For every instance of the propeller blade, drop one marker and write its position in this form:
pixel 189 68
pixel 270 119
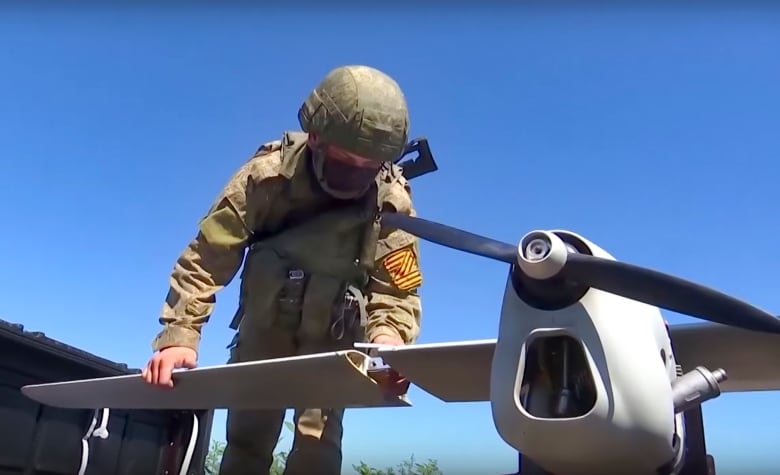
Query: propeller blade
pixel 452 237
pixel 619 278
pixel 667 291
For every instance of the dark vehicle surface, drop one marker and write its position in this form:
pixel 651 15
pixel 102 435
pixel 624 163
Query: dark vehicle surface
pixel 37 439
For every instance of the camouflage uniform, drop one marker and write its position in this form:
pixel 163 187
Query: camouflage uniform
pixel 320 272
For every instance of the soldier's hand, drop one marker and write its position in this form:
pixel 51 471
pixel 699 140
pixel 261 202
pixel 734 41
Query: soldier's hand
pixel 159 368
pixel 385 339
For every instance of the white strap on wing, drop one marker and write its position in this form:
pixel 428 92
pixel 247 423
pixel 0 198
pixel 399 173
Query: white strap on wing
pixel 185 463
pixel 101 432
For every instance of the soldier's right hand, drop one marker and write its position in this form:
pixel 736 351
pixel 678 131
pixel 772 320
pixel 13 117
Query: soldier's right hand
pixel 159 368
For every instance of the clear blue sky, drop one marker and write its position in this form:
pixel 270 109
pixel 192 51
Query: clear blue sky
pixel 653 132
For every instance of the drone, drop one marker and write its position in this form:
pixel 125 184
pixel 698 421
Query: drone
pixel 585 375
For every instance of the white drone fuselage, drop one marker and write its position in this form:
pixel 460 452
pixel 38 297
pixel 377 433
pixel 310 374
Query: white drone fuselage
pixel 619 370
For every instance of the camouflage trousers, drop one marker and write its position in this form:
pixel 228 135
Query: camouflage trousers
pixel 252 435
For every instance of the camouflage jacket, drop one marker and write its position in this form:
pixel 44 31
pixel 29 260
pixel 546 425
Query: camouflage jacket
pixel 252 204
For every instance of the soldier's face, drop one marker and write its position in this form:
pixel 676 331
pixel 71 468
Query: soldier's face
pixel 344 171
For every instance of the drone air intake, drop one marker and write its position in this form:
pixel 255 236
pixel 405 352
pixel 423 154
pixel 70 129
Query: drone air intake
pixel 627 280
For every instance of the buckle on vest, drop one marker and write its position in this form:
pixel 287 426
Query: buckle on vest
pixel 290 300
pixel 349 314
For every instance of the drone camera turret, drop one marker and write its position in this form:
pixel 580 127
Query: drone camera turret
pixel 557 382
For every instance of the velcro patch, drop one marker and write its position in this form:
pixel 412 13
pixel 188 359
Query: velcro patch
pixel 403 268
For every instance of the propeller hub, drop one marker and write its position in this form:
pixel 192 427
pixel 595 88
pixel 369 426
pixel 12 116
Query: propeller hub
pixel 537 249
pixel 541 254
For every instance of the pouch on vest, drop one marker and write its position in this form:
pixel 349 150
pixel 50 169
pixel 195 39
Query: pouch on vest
pixel 322 294
pixel 260 294
pixel 326 250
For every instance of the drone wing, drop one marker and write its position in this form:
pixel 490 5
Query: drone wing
pixel 751 359
pixel 453 371
pixel 335 379
pixel 460 371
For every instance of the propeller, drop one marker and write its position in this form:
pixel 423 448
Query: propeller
pixel 545 256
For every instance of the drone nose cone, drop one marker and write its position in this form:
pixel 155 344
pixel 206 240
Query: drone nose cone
pixel 541 254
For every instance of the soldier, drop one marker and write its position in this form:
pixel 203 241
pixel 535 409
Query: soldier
pixel 320 270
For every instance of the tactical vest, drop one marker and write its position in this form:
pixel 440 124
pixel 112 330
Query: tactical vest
pixel 307 267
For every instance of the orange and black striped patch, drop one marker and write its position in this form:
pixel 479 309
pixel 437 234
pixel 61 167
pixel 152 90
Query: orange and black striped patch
pixel 403 269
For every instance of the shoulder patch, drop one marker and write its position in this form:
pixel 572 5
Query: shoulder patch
pixel 403 268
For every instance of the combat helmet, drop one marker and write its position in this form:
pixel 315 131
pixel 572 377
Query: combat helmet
pixel 360 109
